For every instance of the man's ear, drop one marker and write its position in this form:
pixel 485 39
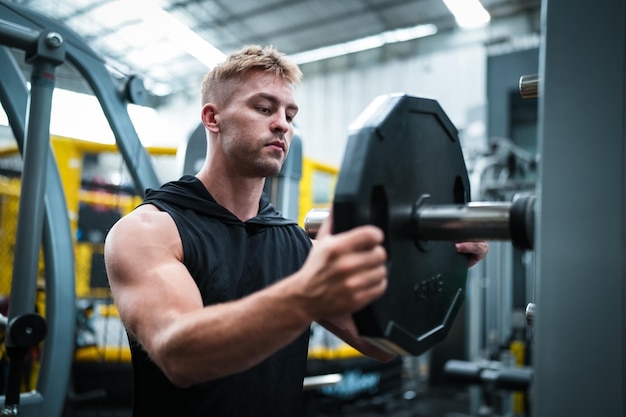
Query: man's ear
pixel 210 118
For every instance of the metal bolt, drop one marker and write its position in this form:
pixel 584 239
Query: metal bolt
pixel 54 39
pixel 530 313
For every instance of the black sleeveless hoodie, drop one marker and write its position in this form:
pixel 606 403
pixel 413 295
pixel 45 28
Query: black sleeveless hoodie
pixel 228 259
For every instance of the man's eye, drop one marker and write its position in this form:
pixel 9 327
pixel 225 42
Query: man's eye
pixel 264 110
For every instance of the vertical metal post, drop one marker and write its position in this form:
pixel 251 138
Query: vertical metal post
pixel 580 333
pixel 31 209
pixel 26 329
pixel 58 346
pixel 31 206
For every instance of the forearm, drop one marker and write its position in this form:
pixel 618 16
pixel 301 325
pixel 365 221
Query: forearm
pixel 228 338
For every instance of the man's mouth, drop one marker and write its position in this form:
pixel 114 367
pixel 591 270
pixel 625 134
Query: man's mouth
pixel 277 144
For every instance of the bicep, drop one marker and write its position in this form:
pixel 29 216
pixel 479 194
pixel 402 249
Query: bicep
pixel 149 282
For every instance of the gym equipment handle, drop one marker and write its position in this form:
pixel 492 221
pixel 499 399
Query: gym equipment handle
pixel 492 373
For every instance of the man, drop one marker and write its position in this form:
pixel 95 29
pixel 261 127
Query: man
pixel 216 290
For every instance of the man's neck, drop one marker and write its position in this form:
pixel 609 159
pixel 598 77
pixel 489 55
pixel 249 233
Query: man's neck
pixel 240 196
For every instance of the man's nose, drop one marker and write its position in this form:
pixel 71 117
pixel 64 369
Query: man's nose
pixel 280 123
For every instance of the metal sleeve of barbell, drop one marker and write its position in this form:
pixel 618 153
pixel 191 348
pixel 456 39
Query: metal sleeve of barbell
pixel 473 221
pixel 313 221
pixel 529 86
pixel 456 222
pixel 469 222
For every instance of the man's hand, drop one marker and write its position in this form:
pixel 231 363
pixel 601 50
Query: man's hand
pixel 343 272
pixel 475 251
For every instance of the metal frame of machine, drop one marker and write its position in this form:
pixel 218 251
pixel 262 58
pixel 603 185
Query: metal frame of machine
pixel 43 209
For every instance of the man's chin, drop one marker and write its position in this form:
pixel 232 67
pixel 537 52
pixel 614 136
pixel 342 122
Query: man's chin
pixel 269 171
pixel 272 168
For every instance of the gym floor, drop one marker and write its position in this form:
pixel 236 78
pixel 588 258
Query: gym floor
pixel 438 403
pixel 385 395
pixel 105 396
pixel 435 403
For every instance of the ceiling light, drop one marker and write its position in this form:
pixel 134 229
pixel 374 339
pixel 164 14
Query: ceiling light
pixel 170 27
pixel 363 44
pixel 469 14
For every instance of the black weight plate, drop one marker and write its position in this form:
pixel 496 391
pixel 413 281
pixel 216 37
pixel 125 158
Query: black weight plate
pixel 400 151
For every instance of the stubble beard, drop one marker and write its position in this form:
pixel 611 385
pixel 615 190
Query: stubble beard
pixel 255 162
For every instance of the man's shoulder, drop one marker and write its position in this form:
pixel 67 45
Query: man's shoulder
pixel 144 217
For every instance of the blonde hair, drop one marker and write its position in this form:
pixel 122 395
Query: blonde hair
pixel 217 85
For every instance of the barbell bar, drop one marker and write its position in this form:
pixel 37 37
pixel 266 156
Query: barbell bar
pixel 475 221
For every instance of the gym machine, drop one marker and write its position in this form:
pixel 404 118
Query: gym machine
pixel 579 360
pixel 579 365
pixel 24 328
pixel 43 219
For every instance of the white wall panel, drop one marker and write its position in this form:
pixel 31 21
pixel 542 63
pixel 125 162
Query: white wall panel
pixel 329 102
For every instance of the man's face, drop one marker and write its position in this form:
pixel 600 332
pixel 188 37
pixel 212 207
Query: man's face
pixel 256 126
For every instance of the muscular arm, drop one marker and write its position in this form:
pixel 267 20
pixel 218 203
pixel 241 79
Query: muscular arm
pixel 160 305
